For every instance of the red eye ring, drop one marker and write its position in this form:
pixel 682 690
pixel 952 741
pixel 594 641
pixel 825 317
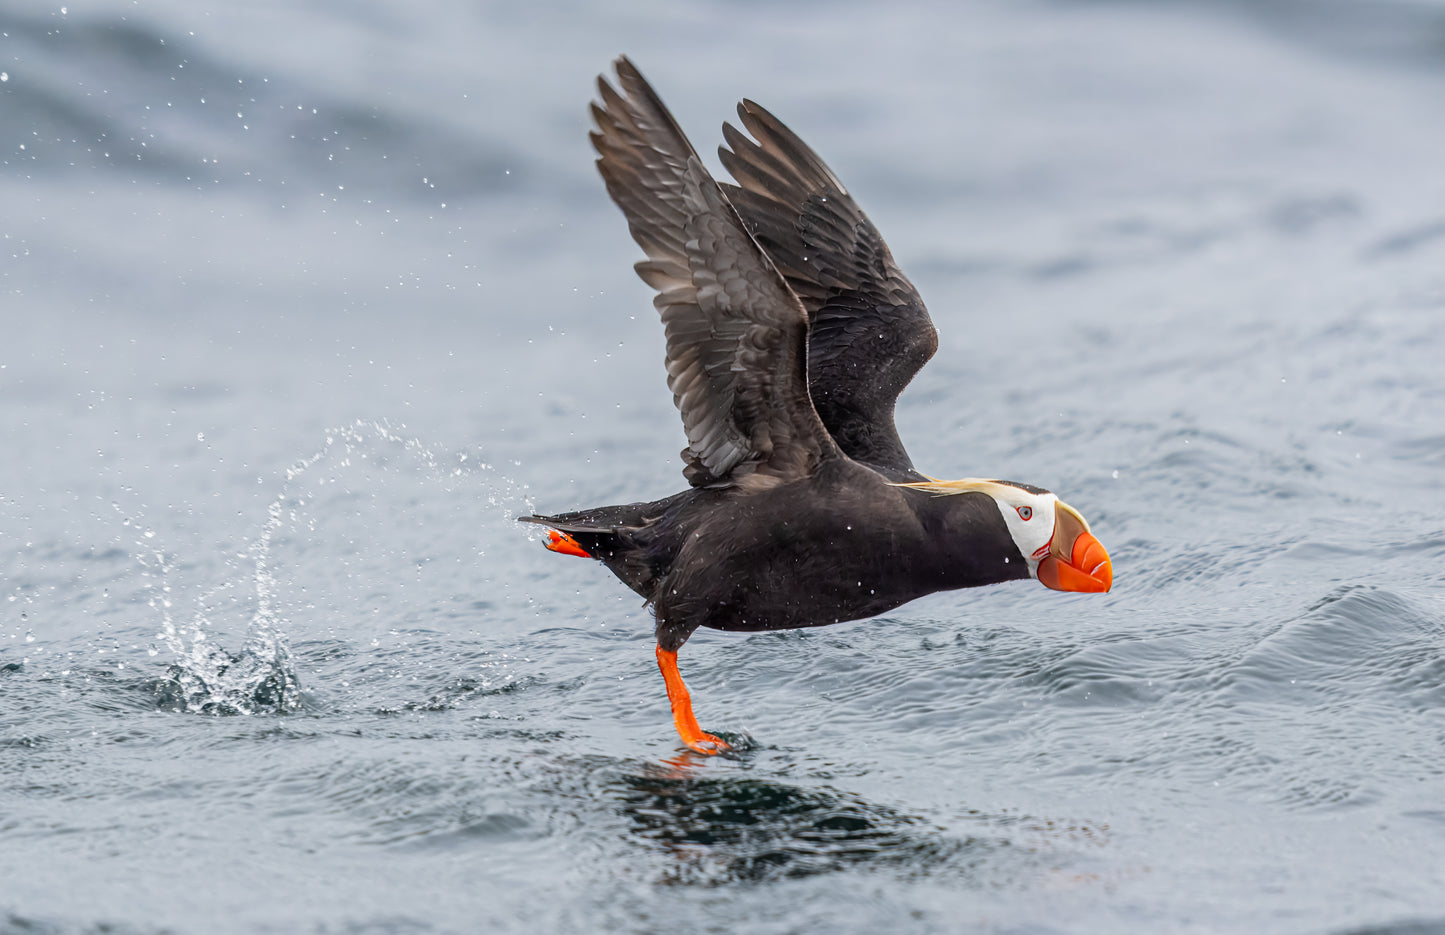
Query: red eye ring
pixel 1026 513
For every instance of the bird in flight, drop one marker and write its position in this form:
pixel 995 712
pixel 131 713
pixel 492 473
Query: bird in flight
pixel 790 333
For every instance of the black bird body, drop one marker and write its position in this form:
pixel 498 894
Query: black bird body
pixel 790 333
pixel 841 544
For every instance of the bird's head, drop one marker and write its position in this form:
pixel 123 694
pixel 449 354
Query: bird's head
pixel 1051 535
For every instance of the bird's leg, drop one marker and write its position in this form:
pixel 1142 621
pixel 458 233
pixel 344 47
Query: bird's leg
pixel 682 716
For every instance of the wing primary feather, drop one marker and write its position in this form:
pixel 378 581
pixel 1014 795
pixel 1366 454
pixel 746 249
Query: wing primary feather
pixel 870 331
pixel 736 333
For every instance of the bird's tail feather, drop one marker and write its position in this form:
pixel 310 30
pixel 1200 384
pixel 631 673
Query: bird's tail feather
pixel 612 535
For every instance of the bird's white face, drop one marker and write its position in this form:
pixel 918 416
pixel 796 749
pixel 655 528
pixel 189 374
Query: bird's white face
pixel 1051 535
pixel 1030 519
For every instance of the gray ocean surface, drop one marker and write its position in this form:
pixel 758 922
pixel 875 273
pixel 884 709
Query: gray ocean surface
pixel 302 302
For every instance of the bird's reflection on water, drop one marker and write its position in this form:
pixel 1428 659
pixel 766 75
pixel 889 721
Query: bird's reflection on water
pixel 750 829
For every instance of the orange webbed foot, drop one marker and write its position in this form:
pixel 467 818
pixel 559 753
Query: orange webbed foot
pixel 565 544
pixel 682 717
pixel 706 743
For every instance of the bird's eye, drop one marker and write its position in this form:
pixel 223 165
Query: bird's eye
pixel 1026 513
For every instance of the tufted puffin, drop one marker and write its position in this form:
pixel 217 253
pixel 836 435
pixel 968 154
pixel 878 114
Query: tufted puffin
pixel 790 334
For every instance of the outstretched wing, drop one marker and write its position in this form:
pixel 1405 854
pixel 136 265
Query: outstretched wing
pixel 736 334
pixel 870 330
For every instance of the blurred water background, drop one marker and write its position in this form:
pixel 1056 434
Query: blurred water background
pixel 301 302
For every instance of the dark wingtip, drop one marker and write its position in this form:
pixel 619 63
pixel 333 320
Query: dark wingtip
pixel 628 75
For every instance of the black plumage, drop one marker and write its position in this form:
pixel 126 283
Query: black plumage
pixel 790 333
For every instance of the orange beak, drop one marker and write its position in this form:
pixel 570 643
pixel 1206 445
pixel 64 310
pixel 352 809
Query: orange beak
pixel 1076 560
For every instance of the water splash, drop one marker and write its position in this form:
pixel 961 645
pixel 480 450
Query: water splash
pixel 263 676
pixel 205 678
